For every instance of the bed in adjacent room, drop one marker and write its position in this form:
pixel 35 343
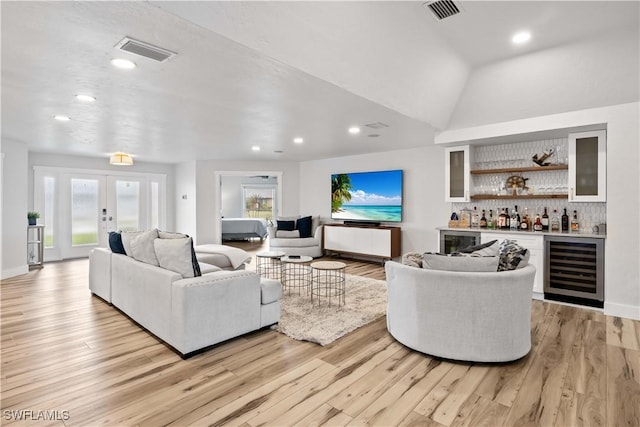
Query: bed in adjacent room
pixel 243 228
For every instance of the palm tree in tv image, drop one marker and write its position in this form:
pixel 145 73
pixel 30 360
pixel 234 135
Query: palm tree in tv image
pixel 340 191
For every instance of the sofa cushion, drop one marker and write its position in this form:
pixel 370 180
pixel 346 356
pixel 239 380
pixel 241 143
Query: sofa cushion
pixel 194 260
pixel 512 256
pixel 294 243
pixel 491 248
pixel 288 234
pixel 460 263
pixel 304 226
pixel 270 290
pixel 286 225
pixel 141 244
pixel 208 268
pixel 115 243
pixel 175 255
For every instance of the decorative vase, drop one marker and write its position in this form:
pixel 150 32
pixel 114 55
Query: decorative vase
pixel 32 221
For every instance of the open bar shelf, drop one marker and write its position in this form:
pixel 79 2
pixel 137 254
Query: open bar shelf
pixel 517 170
pixel 528 196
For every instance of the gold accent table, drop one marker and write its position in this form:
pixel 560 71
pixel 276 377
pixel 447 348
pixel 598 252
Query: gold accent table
pixel 296 273
pixel 268 264
pixel 328 282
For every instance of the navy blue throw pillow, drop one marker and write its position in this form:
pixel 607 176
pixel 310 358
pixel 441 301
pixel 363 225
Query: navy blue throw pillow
pixel 286 225
pixel 303 225
pixel 115 243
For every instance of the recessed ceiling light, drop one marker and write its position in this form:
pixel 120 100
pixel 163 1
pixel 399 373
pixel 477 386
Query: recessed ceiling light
pixel 85 98
pixel 62 118
pixel 521 37
pixel 298 140
pixel 123 63
pixel 255 148
pixel 354 130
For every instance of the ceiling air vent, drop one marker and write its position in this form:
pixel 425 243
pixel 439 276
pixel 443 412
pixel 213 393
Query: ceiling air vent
pixel 377 125
pixel 442 8
pixel 145 49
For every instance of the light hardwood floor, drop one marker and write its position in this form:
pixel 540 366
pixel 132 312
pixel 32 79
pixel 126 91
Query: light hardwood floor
pixel 64 350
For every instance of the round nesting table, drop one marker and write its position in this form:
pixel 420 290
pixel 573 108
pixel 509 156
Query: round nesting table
pixel 328 282
pixel 268 264
pixel 296 273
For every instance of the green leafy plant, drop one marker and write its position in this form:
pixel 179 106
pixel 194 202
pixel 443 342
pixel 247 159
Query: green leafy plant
pixel 33 215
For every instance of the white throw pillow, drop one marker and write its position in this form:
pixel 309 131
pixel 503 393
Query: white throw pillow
pixel 175 255
pixel 460 263
pixel 285 234
pixel 141 245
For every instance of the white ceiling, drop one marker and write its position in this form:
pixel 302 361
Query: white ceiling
pixel 260 73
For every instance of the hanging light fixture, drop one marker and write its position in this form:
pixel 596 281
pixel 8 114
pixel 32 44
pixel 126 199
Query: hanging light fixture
pixel 121 159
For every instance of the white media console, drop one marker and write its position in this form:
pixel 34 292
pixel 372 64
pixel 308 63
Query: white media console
pixel 373 241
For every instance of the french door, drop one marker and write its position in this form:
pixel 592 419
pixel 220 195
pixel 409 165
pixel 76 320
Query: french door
pixel 79 209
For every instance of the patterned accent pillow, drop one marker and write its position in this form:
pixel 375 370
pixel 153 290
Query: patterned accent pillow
pixel 512 256
pixel 413 259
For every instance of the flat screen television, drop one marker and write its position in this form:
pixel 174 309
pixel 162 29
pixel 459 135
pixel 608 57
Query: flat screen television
pixel 367 196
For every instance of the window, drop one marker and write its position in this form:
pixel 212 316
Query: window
pixel 258 202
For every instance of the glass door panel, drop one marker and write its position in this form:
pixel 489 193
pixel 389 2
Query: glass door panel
pixel 587 166
pixel 85 204
pixel 127 205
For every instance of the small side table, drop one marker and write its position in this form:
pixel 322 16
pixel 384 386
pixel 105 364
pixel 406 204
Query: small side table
pixel 35 246
pixel 296 273
pixel 328 281
pixel 268 264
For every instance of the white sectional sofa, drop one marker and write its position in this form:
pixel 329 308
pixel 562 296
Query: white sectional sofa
pixel 188 314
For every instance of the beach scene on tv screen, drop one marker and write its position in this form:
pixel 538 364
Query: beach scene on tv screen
pixel 367 196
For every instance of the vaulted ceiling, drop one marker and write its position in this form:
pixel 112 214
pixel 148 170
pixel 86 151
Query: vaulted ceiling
pixel 262 73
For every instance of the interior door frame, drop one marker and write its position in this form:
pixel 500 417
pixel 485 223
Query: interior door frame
pixel 217 215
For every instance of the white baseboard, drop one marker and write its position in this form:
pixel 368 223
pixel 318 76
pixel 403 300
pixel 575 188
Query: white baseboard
pixel 11 272
pixel 622 310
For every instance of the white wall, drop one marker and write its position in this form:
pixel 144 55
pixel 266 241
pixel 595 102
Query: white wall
pixel 185 199
pixel 594 73
pixel 14 209
pixel 424 208
pixel 208 200
pixel 102 164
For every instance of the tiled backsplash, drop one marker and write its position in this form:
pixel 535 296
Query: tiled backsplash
pixel 543 182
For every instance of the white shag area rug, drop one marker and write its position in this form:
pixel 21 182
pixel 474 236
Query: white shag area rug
pixel 366 301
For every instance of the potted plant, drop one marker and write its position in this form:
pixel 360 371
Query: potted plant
pixel 32 217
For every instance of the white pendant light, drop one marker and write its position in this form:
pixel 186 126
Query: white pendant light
pixel 121 159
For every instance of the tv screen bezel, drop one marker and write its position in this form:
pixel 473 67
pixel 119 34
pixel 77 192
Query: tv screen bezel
pixel 373 221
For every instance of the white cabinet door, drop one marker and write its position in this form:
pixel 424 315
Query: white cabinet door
pixel 457 173
pixel 535 244
pixel 588 166
pixel 366 241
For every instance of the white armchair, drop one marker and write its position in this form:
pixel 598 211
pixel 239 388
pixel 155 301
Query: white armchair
pixel 290 244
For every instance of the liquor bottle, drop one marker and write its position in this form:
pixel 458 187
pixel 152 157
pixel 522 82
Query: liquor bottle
pixel 565 221
pixel 507 218
pixel 502 219
pixel 537 226
pixel 524 224
pixel 483 220
pixel 555 222
pixel 475 220
pixel 514 224
pixel 575 225
pixel 491 222
pixel 545 220
pixel 518 216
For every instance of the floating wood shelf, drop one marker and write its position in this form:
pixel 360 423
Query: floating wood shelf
pixel 528 196
pixel 517 170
